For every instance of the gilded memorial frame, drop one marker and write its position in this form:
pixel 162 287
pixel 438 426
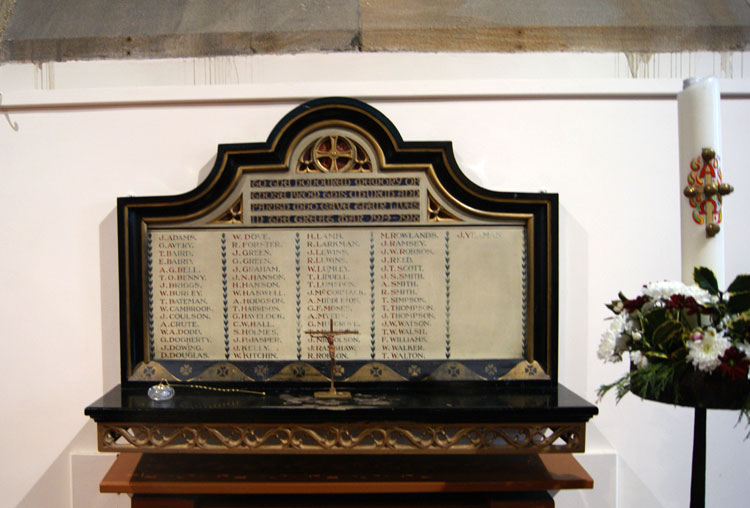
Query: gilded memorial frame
pixel 339 148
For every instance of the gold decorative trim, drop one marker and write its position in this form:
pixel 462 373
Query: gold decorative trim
pixel 526 370
pixel 334 153
pixel 224 371
pixel 151 371
pixel 394 437
pixel 233 215
pixel 437 213
pixel 304 372
pixel 309 135
pixel 454 371
pixel 376 371
pixel 299 371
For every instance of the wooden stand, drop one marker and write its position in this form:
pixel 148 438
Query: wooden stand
pixel 211 481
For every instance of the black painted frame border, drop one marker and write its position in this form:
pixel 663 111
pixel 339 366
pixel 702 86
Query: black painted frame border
pixel 134 213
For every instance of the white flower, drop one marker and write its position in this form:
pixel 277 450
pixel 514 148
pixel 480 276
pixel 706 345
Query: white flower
pixel 637 336
pixel 638 359
pixel 653 304
pixel 701 296
pixel 704 353
pixel 629 325
pixel 621 343
pixel 607 348
pixel 618 324
pixel 663 290
pixel 614 340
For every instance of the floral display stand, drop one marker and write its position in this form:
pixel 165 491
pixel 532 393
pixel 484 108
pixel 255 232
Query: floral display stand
pixel 688 346
pixel 702 392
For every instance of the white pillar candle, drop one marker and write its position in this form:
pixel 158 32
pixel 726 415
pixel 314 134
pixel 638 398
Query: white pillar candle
pixel 699 121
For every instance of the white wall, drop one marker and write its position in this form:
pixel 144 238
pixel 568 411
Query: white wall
pixel 80 134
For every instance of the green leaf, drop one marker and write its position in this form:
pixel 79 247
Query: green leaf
pixel 740 284
pixel 739 303
pixel 652 320
pixel 667 335
pixel 652 380
pixel 740 328
pixel 621 386
pixel 679 354
pixel 706 279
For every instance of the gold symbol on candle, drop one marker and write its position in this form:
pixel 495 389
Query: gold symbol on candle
pixel 329 336
pixel 705 190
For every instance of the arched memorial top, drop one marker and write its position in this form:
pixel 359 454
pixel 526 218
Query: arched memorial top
pixel 335 216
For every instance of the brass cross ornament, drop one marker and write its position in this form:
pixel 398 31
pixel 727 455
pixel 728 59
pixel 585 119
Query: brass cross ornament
pixel 329 336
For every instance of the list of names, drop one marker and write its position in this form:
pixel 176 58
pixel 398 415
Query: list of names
pixel 406 293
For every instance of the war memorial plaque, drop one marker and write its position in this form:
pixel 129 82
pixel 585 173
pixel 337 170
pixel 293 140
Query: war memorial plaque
pixel 230 295
pixel 433 292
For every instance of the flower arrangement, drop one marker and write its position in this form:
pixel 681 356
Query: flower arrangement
pixel 675 332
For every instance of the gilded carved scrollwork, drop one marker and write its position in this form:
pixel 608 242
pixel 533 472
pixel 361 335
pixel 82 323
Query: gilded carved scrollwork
pixel 233 215
pixel 334 154
pixel 348 438
pixel 438 213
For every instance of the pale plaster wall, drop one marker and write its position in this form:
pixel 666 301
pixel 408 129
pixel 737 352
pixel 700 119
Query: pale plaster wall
pixel 76 135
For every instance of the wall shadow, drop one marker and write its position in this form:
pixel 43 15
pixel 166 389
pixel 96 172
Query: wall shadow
pixel 55 482
pixel 574 290
pixel 110 301
pixel 205 170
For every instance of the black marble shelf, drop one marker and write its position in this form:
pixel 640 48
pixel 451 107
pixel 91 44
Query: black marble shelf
pixel 449 404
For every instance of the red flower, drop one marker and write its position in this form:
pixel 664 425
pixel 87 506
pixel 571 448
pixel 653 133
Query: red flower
pixel 682 302
pixel 734 364
pixel 636 304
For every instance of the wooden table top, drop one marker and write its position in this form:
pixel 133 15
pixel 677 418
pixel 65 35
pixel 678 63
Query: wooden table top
pixel 136 473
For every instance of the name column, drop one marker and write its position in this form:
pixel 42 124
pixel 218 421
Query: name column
pixel 410 295
pixel 258 295
pixel 182 298
pixel 333 282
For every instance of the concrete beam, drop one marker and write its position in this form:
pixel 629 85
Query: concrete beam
pixel 570 25
pixel 40 30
